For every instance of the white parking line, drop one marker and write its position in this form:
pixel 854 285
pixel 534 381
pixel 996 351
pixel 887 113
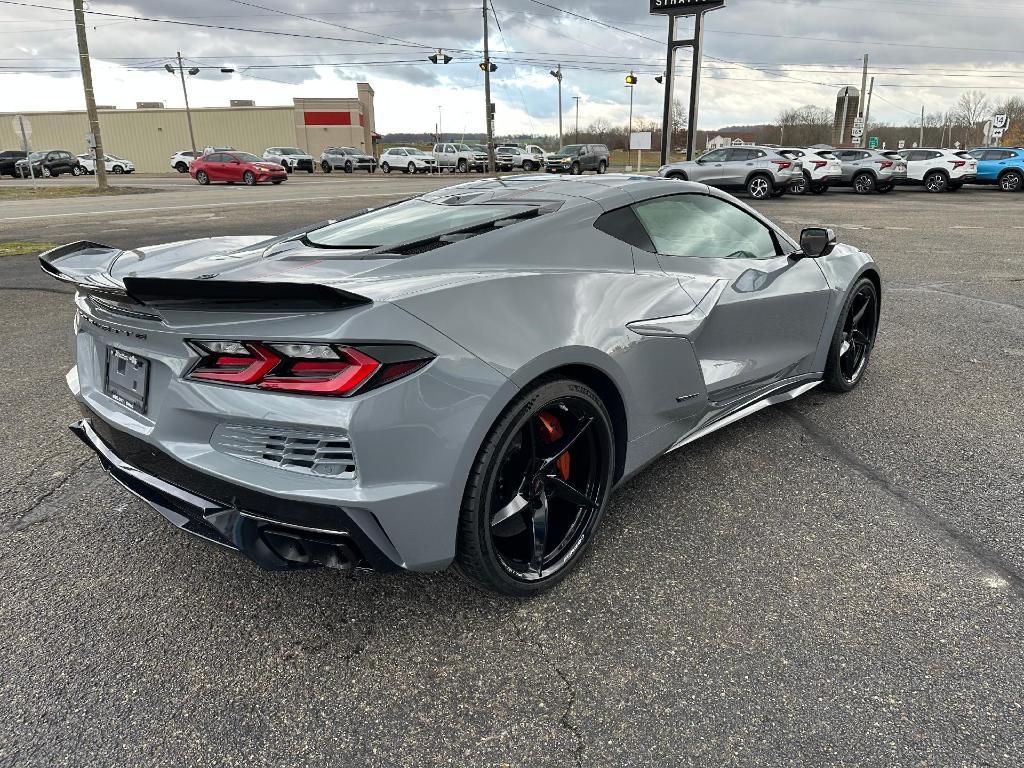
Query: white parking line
pixel 204 206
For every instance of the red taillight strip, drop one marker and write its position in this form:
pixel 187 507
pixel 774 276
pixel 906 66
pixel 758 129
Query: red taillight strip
pixel 957 163
pixel 819 164
pixel 345 380
pixel 262 362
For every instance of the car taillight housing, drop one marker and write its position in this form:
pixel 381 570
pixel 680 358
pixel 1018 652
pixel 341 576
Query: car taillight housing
pixel 783 164
pixel 957 163
pixel 884 163
pixel 819 164
pixel 337 370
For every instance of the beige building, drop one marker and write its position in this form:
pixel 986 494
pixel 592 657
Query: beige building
pixel 148 137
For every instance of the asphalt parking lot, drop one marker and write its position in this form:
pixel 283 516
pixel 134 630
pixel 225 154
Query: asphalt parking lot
pixel 835 581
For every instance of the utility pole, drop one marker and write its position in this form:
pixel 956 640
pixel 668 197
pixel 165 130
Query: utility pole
pixel 921 142
pixel 557 74
pixel 629 133
pixel 862 111
pixel 491 160
pixel 188 109
pixel 867 109
pixel 577 139
pixel 90 97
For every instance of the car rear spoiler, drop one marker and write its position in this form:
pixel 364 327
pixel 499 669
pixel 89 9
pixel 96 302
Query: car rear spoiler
pixel 86 265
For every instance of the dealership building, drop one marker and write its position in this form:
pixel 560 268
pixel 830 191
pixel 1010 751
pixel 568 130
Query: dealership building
pixel 150 134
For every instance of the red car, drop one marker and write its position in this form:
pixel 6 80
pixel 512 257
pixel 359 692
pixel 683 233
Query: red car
pixel 235 166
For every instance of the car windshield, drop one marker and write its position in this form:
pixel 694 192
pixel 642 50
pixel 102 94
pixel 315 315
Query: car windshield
pixel 572 149
pixel 245 157
pixel 290 151
pixel 407 221
pixel 36 155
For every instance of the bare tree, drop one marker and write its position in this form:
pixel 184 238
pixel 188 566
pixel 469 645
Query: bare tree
pixel 970 110
pixel 805 125
pixel 1013 108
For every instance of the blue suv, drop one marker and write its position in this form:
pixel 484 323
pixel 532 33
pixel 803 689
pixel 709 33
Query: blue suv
pixel 1000 165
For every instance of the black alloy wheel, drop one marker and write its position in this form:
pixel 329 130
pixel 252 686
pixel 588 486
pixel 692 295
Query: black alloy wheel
pixel 854 338
pixel 574 169
pixel 602 167
pixel 1011 181
pixel 348 167
pixel 326 167
pixel 182 167
pixel 864 183
pixel 538 489
pixel 936 181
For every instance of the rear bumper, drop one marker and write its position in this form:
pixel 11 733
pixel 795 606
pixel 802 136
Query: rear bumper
pixel 275 533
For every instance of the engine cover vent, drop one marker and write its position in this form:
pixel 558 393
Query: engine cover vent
pixel 329 455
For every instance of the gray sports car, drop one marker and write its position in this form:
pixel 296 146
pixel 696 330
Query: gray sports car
pixel 460 377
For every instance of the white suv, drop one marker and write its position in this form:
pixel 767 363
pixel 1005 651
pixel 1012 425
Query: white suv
pixel 940 170
pixel 821 169
pixel 180 160
pixel 407 160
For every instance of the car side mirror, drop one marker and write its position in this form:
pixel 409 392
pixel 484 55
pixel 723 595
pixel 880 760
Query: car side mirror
pixel 816 242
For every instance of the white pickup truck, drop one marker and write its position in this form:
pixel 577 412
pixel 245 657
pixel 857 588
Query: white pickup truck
pixel 461 158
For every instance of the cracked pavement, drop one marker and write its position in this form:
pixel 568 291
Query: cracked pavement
pixel 835 581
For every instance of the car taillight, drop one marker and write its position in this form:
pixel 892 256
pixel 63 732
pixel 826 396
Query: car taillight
pixel 819 164
pixel 884 163
pixel 314 369
pixel 783 164
pixel 957 163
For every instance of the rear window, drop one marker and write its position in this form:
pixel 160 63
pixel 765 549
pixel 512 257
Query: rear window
pixel 408 221
pixel 827 156
pixel 892 155
pixel 965 155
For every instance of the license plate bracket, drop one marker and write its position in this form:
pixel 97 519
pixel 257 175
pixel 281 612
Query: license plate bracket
pixel 127 379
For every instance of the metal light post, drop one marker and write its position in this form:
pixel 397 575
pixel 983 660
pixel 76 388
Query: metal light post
pixel 577 99
pixel 180 69
pixel 631 81
pixel 557 74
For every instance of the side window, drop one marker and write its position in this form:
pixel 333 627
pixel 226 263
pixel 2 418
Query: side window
pixel 698 226
pixel 717 156
pixel 1005 155
pixel 439 148
pixel 912 156
pixel 401 152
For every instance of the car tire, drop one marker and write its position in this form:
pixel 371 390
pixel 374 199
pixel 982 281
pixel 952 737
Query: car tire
pixel 801 187
pixel 853 339
pixel 760 187
pixel 249 178
pixel 864 184
pixel 385 167
pixel 181 167
pixel 77 170
pixel 203 178
pixel 326 167
pixel 117 169
pixel 47 173
pixel 463 165
pixel 936 182
pixel 410 168
pixel 552 537
pixel 1011 181
pixel 348 167
pixel 602 167
pixel 574 169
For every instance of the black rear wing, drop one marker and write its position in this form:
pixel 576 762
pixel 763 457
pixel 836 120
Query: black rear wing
pixel 86 265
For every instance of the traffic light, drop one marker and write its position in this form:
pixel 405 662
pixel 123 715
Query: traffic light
pixel 659 79
pixel 630 79
pixel 439 57
pixel 483 67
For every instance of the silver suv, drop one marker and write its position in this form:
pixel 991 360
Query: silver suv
pixel 762 171
pixel 871 170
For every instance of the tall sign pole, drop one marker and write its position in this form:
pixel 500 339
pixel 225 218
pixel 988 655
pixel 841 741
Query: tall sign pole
pixel 491 160
pixel 96 140
pixel 676 9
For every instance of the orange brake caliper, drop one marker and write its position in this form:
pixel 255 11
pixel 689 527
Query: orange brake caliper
pixel 552 431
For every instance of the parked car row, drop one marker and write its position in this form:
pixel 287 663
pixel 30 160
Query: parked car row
pixel 775 171
pixel 48 163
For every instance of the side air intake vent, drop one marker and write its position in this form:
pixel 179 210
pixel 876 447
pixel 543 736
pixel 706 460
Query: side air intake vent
pixel 329 455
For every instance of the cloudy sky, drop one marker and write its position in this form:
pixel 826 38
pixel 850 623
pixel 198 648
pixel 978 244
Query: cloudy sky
pixel 762 56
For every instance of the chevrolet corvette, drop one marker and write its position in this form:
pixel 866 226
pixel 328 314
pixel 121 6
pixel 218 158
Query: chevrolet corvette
pixel 462 377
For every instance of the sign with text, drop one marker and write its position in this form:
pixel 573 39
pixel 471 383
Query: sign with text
pixel 683 7
pixel 640 140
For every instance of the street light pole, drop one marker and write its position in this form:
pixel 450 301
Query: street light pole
pixel 557 74
pixel 630 131
pixel 491 160
pixel 188 109
pixel 90 97
pixel 577 99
